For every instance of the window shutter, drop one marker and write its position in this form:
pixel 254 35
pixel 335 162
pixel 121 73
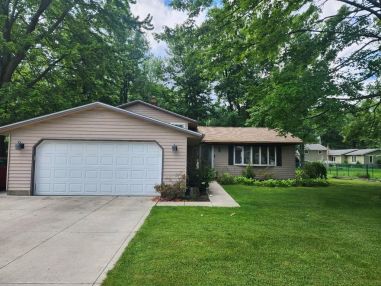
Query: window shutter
pixel 279 155
pixel 231 152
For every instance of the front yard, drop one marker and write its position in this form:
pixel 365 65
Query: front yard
pixel 279 236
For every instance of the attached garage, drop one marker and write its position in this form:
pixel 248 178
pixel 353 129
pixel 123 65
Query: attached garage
pixel 95 149
pixel 77 167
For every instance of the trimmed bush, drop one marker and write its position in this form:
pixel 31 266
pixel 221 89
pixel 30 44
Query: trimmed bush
pixel 314 170
pixel 226 179
pixel 172 191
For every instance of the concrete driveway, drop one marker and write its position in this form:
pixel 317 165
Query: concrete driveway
pixel 65 240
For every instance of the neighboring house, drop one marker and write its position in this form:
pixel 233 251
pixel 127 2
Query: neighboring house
pixel 315 153
pixel 364 156
pixel 98 149
pixel 338 156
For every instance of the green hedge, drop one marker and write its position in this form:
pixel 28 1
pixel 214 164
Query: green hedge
pixel 227 179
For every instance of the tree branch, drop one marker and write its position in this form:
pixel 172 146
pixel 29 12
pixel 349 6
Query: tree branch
pixel 45 72
pixel 363 7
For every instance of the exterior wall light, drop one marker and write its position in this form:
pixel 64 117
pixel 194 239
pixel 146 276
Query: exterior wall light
pixel 19 145
pixel 174 148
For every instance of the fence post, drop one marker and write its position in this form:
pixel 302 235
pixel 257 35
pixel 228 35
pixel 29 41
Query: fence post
pixel 367 171
pixel 348 170
pixel 337 171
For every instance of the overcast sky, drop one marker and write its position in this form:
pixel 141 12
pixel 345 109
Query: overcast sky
pixel 164 15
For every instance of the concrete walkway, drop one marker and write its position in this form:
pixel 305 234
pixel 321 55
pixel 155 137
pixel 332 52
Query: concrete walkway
pixel 65 240
pixel 217 195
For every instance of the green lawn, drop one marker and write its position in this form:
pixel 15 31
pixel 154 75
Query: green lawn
pixel 279 236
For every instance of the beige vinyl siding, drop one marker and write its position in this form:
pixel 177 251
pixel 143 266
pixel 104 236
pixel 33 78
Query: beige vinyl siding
pixel 339 159
pixel 157 114
pixel 359 159
pixel 376 156
pixel 286 171
pixel 97 124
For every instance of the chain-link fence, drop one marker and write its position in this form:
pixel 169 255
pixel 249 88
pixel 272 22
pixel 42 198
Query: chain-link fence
pixel 355 171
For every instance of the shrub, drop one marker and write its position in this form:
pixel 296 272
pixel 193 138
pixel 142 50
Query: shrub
pixel 299 174
pixel 226 179
pixel 273 183
pixel 248 172
pixel 172 191
pixel 314 170
pixel 243 180
pixel 266 175
pixel 207 175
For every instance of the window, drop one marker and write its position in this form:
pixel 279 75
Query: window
pixel 320 151
pixel 371 159
pixel 238 155
pixel 255 155
pixel 182 125
pixel 272 156
pixel 333 158
pixel 353 159
pixel 247 155
pixel 242 155
pixel 264 157
pixel 305 151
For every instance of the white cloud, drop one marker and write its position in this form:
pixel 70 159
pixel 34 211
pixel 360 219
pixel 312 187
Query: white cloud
pixel 163 15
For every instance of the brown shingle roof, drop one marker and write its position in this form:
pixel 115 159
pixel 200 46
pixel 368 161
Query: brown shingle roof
pixel 245 135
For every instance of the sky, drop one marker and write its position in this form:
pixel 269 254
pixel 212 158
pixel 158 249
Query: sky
pixel 164 15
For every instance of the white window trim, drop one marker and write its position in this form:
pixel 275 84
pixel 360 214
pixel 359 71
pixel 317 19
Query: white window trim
pixel 353 157
pixel 251 157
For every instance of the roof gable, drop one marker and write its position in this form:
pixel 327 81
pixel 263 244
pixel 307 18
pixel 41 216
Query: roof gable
pixel 315 147
pixel 6 128
pixel 135 102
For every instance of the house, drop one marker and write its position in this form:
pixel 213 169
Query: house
pixel 98 149
pixel 338 156
pixel 315 153
pixel 364 156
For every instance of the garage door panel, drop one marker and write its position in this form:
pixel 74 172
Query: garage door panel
pixel 97 168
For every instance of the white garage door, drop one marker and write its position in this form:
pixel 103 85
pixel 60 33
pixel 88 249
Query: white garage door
pixel 97 168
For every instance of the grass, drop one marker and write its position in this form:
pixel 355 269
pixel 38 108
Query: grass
pixel 279 236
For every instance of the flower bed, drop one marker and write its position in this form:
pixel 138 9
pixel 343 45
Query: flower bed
pixel 227 179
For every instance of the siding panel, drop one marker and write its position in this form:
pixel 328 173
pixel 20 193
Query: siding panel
pixel 154 113
pixel 97 124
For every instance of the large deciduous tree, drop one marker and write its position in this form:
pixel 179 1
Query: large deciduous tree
pixel 190 88
pixel 56 54
pixel 288 66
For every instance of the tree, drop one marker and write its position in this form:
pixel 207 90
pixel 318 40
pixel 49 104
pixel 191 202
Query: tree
pixel 57 54
pixel 190 89
pixel 292 72
pixel 363 130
